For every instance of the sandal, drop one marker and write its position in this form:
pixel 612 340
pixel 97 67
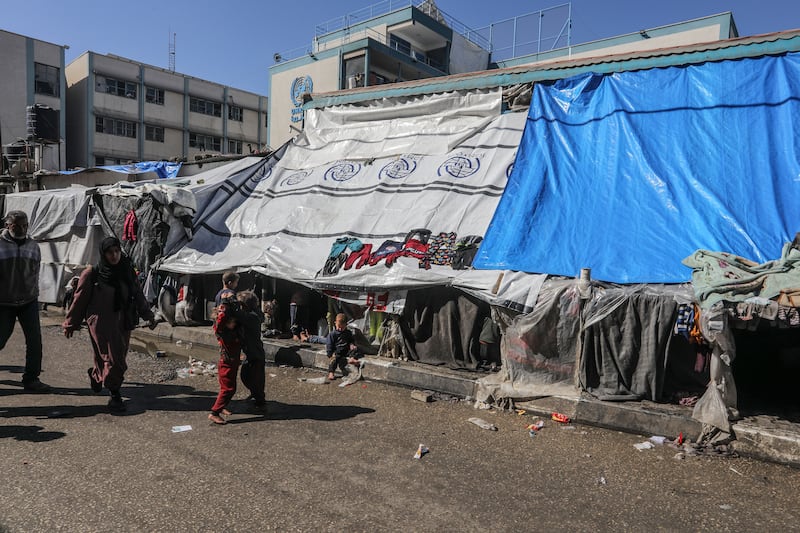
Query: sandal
pixel 214 417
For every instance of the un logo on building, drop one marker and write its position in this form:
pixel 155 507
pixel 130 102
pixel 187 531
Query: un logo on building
pixel 460 166
pixel 294 179
pixel 301 85
pixel 342 171
pixel 400 168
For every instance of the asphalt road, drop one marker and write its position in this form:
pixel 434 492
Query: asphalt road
pixel 331 459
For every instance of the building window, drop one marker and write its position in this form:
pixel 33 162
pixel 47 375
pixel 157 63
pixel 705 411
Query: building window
pixel 206 107
pixel 47 79
pixel 154 133
pixel 117 87
pixel 401 45
pixel 112 126
pixel 235 113
pixel 101 161
pixel 205 142
pixel 153 95
pixel 234 146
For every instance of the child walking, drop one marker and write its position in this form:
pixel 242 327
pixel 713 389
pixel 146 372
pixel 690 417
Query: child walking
pixel 229 336
pixel 253 377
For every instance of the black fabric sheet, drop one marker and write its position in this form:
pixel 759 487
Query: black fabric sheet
pixel 441 326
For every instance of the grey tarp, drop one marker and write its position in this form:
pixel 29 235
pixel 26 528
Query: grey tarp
pixel 441 326
pixel 626 341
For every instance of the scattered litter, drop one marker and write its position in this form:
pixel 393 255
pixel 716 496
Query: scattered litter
pixel 602 481
pixel 567 427
pixel 483 424
pixel 273 375
pixel 657 439
pixel 679 440
pixel 322 380
pixel 726 507
pixel 196 368
pixel 160 353
pixel 422 450
pixel 531 433
pixel 679 456
pixel 536 426
pixel 184 344
pixel 646 445
pixel 587 455
pixel 482 405
pixel 180 429
pixel 521 412
pixel 353 374
pixel 559 417
pixel 736 471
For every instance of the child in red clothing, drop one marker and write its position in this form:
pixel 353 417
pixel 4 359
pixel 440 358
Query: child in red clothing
pixel 229 337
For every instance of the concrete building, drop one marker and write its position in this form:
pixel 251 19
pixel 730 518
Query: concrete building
pixel 32 100
pixel 373 46
pixel 119 110
pixel 374 52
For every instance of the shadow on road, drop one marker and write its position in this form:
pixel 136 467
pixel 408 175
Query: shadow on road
pixel 284 411
pixel 30 434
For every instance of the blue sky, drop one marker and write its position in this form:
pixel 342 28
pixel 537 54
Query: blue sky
pixel 233 41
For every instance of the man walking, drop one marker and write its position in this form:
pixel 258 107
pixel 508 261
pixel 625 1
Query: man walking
pixel 19 279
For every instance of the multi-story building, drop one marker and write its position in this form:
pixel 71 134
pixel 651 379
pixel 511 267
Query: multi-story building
pixel 119 110
pixel 412 41
pixel 386 43
pixel 32 97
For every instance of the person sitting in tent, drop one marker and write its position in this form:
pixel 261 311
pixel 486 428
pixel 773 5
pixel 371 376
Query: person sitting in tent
pixel 490 345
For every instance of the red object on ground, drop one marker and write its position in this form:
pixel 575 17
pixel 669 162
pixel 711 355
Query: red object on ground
pixel 558 417
pixel 680 437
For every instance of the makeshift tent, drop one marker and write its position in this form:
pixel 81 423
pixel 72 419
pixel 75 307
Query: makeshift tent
pixel 371 202
pixel 629 173
pixel 68 234
pixel 394 222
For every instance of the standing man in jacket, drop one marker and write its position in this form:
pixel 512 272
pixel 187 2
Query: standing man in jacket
pixel 19 299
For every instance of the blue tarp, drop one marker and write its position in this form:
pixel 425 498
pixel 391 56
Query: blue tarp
pixel 630 173
pixel 163 169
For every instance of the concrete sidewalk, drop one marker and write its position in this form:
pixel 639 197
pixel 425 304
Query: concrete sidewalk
pixel 764 437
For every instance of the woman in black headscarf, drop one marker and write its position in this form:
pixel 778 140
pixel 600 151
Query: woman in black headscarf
pixel 109 297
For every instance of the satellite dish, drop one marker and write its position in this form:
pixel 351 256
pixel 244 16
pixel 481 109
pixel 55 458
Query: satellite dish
pixel 277 57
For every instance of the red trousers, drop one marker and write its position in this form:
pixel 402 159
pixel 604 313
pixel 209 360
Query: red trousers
pixel 227 382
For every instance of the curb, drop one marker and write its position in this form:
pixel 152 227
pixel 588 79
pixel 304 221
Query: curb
pixel 756 438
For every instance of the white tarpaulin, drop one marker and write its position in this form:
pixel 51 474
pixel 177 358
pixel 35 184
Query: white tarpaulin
pixel 68 238
pixel 422 125
pixel 389 223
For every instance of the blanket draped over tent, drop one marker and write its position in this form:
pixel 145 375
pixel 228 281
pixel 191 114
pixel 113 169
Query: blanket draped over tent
pixel 631 172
